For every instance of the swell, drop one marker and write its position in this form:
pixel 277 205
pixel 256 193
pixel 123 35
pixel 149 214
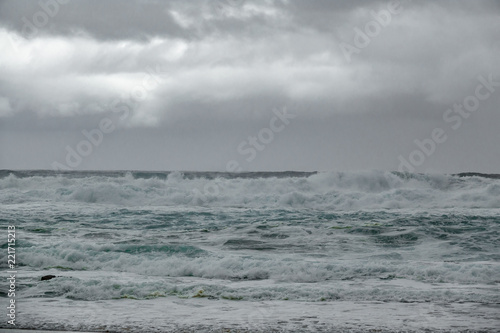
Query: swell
pixel 325 190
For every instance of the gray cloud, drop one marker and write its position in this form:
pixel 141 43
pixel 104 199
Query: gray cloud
pixel 104 20
pixel 220 68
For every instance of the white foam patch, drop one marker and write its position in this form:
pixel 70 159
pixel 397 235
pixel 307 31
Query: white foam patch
pixel 204 315
pixel 340 191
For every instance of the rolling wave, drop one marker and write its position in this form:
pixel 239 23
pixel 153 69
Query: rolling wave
pixel 323 190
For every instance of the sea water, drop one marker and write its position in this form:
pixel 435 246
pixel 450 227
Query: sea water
pixel 287 251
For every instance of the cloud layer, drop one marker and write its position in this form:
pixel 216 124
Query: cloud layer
pixel 218 68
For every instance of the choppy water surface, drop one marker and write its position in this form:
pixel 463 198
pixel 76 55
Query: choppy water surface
pixel 257 237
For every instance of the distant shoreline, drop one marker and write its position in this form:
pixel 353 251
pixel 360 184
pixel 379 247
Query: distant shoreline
pixel 204 174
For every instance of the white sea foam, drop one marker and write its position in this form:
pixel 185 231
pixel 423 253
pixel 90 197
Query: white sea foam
pixel 340 191
pixel 118 241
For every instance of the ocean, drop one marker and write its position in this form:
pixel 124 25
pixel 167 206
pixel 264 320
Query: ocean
pixel 364 251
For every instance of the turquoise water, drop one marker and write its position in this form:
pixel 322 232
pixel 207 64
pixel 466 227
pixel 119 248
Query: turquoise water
pixel 314 237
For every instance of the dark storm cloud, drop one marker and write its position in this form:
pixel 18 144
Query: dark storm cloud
pixel 112 19
pixel 218 68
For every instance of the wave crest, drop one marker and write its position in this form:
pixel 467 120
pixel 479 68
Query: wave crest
pixel 325 190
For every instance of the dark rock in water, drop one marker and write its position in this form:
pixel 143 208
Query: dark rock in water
pixel 47 277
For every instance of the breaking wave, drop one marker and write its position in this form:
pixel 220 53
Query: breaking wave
pixel 323 190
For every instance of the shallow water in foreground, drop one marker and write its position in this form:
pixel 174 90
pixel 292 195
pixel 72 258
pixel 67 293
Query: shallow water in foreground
pixel 287 251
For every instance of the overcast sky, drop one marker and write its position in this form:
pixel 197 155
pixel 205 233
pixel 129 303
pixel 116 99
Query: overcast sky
pixel 250 85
